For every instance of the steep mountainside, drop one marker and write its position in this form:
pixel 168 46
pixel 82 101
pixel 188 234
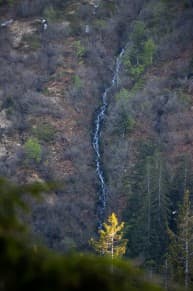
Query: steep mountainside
pixel 147 140
pixel 51 83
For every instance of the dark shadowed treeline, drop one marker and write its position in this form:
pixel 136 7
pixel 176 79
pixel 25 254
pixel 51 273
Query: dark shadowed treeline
pixel 25 265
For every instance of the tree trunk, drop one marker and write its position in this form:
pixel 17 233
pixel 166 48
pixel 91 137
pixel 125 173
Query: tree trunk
pixel 159 190
pixel 166 275
pixel 149 203
pixel 185 178
pixel 112 247
pixel 187 248
pixel 187 265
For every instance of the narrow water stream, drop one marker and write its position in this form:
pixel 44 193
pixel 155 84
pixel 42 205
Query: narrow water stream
pixel 102 203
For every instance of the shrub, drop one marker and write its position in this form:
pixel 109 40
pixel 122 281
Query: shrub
pixel 32 40
pixel 184 97
pixel 100 23
pixel 138 58
pixel 140 54
pixel 9 103
pixel 139 33
pixel 139 84
pixel 44 132
pixel 77 87
pixel 126 58
pixel 124 123
pixel 46 91
pixel 33 149
pixel 136 71
pixel 51 14
pixel 80 49
pixel 122 94
pixel 125 94
pixel 148 52
pixel 77 82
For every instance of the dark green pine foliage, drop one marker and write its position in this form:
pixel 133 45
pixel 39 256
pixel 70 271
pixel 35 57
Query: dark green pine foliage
pixel 181 246
pixel 140 54
pixel 9 2
pixel 148 206
pixel 181 179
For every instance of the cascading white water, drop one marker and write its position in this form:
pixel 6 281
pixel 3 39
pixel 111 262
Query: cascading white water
pixel 96 141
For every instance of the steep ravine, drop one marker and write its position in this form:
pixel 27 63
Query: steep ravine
pixel 102 204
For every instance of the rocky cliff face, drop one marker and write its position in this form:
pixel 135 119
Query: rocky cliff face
pixel 50 87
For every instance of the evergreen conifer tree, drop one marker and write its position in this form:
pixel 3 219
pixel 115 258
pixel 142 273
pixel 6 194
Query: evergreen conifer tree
pixel 148 208
pixel 181 246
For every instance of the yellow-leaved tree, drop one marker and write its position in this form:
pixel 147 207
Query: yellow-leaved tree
pixel 110 240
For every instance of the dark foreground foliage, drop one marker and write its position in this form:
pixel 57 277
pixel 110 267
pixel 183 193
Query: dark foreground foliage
pixel 22 269
pixel 26 266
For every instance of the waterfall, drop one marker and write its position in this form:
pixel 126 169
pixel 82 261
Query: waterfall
pixel 102 203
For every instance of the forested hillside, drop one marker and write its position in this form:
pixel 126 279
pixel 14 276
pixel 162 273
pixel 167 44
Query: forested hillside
pixel 116 76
